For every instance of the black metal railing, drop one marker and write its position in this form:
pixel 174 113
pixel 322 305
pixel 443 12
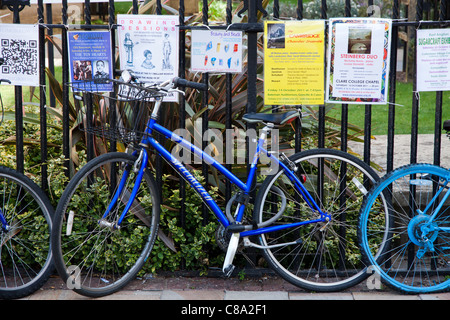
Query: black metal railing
pixel 252 27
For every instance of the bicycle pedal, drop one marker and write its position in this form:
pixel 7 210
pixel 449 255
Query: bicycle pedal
pixel 228 270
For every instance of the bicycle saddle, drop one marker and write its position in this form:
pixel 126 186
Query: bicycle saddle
pixel 275 118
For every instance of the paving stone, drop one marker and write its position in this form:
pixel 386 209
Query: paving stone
pixel 192 295
pixel 256 295
pixel 320 296
pixel 383 296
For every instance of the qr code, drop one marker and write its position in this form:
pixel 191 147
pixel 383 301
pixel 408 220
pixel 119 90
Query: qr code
pixel 21 56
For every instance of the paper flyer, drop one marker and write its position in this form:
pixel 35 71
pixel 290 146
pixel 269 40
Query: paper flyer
pixel 216 51
pixel 433 57
pixel 20 51
pixel 358 61
pixel 294 62
pixel 90 60
pixel 148 46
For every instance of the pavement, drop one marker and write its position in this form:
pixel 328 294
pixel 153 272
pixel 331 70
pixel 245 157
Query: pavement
pixel 402 150
pixel 260 288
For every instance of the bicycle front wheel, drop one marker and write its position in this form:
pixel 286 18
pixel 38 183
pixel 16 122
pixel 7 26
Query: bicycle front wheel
pixel 325 256
pixel 418 255
pixel 93 254
pixel 25 252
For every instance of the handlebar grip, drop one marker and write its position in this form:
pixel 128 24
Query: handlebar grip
pixel 185 83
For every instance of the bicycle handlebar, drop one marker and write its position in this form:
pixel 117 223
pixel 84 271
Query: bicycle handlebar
pixel 5 80
pixel 185 83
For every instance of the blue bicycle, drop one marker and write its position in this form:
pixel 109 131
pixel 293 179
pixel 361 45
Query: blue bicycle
pixel 304 216
pixel 414 229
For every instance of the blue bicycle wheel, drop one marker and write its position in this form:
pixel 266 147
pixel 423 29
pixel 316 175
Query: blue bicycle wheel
pixel 417 257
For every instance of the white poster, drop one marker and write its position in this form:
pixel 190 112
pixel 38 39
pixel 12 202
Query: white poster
pixel 216 51
pixel 433 59
pixel 359 54
pixel 20 50
pixel 148 46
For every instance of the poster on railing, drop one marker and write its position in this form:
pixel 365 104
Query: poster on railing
pixel 358 60
pixel 20 52
pixel 216 51
pixel 294 62
pixel 90 61
pixel 148 46
pixel 433 57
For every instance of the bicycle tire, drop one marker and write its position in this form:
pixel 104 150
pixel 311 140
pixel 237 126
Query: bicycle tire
pixel 26 260
pixel 92 255
pixel 411 264
pixel 326 257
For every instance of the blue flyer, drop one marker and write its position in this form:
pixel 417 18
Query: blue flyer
pixel 90 61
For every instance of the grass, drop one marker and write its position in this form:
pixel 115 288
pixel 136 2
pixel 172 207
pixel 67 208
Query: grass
pixel 403 112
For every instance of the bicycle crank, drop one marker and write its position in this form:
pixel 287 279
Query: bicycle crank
pixel 228 266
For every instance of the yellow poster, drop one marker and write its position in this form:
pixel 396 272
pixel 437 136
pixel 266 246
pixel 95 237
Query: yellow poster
pixel 294 62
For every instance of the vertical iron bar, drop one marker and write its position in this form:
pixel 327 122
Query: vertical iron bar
pixel 392 90
pixel 229 146
pixel 343 173
pixel 298 122
pixel 252 39
pixel 65 80
pixel 276 9
pixel 50 52
pixel 89 105
pixel 205 115
pixel 182 112
pixel 300 10
pixel 439 95
pixel 42 98
pixel 18 112
pixel 414 130
pixel 113 115
pixel 367 124
pixel 158 7
pixel 321 138
pixel 158 161
pixel 416 101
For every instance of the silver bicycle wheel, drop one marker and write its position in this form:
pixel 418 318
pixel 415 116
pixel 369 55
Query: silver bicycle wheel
pixel 325 256
pixel 94 255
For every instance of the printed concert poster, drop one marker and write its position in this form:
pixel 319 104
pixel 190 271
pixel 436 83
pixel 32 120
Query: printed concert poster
pixel 216 51
pixel 148 46
pixel 20 52
pixel 358 61
pixel 294 62
pixel 90 60
pixel 433 57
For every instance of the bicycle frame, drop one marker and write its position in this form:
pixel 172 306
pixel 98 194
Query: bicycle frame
pixel 5 225
pixel 245 187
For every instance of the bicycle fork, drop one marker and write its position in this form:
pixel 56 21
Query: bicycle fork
pixel 139 167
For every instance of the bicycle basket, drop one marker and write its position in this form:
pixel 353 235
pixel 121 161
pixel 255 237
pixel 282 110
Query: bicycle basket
pixel 119 115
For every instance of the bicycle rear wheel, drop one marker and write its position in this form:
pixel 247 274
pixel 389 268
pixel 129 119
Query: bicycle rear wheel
pixel 92 255
pixel 418 256
pixel 326 256
pixel 25 254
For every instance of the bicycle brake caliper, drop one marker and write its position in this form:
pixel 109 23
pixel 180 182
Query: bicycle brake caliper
pixel 290 164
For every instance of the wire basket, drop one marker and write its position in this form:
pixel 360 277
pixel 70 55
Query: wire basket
pixel 118 115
